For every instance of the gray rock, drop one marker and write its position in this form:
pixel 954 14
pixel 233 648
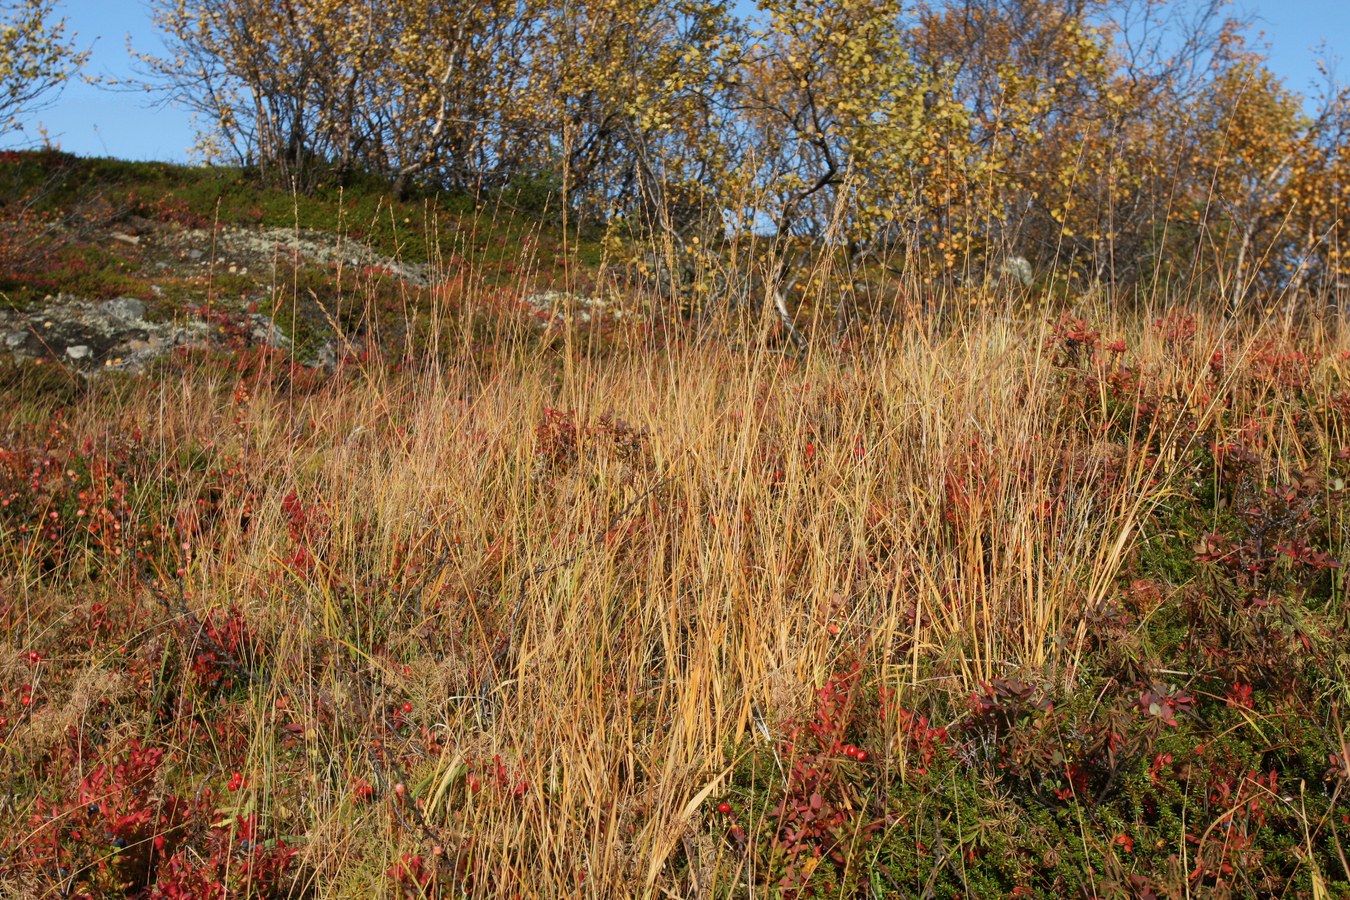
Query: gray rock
pixel 326 358
pixel 1018 268
pixel 116 335
pixel 113 332
pixel 260 247
pixel 558 306
pixel 265 331
pixel 126 309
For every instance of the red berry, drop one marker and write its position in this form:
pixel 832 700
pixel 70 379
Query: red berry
pixel 724 808
pixel 850 750
pixel 861 756
pixel 407 707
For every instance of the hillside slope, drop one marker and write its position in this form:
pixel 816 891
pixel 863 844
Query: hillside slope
pixel 111 264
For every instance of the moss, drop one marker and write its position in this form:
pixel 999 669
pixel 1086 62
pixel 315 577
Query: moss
pixel 1165 555
pixel 82 271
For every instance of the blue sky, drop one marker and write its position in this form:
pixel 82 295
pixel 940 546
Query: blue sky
pixel 95 121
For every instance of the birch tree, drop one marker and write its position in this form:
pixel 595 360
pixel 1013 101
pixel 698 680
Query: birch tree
pixel 37 57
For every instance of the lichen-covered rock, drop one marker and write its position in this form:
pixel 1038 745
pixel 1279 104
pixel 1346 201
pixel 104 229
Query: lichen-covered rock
pixel 1018 269
pixel 557 307
pixel 90 337
pixel 182 267
pixel 235 250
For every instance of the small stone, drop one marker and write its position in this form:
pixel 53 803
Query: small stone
pixel 15 338
pixel 131 239
pixel 194 254
pixel 79 351
pixel 234 270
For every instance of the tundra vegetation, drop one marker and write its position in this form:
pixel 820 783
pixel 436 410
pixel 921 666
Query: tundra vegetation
pixel 853 450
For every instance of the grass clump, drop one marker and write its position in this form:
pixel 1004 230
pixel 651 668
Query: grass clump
pixel 1013 607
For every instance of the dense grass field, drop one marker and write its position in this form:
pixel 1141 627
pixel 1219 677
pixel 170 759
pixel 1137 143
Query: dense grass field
pixel 1027 603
